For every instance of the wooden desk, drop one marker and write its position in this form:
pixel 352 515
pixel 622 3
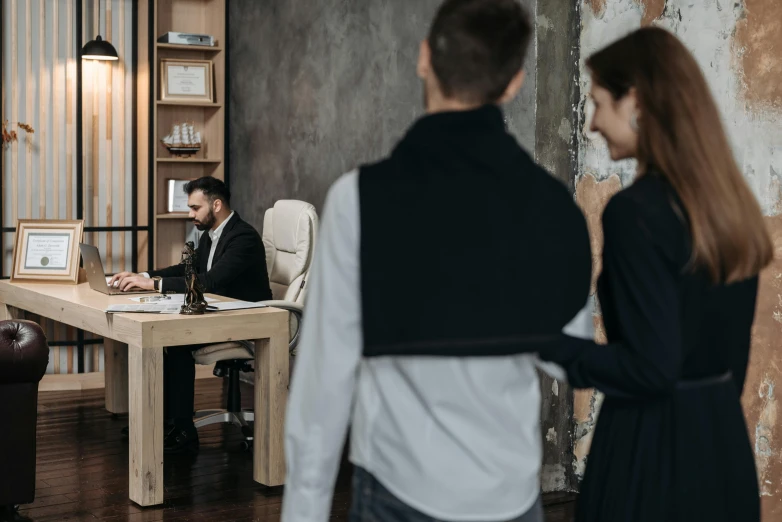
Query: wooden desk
pixel 134 373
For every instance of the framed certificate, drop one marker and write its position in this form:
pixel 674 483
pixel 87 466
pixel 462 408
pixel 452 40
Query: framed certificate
pixel 177 197
pixel 186 80
pixel 47 250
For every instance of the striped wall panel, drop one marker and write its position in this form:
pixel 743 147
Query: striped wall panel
pixel 39 52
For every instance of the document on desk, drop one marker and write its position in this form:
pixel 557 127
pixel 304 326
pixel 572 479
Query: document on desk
pixel 169 299
pixel 148 308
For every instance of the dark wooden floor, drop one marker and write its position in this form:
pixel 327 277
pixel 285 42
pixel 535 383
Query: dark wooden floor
pixel 82 471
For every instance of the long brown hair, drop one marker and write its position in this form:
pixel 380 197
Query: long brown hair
pixel 682 138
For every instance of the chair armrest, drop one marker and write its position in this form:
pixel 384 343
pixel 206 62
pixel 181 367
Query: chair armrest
pixel 294 308
pixel 24 352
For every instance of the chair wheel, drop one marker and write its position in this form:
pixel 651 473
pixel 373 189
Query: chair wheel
pixel 246 445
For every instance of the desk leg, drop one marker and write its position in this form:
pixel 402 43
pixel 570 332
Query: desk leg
pixel 271 396
pixel 146 425
pixel 115 375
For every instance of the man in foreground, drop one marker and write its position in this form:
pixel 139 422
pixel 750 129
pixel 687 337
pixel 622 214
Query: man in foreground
pixel 438 270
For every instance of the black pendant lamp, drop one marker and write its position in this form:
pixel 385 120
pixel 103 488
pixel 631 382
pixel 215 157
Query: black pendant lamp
pixel 98 49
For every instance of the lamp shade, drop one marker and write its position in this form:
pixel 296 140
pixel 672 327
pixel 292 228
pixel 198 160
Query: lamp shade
pixel 98 49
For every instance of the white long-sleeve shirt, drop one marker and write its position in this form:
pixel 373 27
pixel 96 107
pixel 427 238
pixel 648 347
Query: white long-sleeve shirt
pixel 455 438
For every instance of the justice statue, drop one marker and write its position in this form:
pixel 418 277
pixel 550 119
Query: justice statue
pixel 194 304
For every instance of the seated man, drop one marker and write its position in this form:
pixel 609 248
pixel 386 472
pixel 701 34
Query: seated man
pixel 231 261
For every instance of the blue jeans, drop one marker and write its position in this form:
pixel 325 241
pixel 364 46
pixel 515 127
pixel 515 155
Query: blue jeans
pixel 374 503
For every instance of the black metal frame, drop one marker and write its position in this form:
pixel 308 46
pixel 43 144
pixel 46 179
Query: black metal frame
pixel 81 342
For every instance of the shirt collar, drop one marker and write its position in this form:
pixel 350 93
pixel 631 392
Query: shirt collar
pixel 215 234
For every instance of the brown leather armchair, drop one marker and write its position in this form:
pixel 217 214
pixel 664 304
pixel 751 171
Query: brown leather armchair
pixel 24 355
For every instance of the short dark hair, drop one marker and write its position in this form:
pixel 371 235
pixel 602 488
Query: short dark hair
pixel 478 46
pixel 212 188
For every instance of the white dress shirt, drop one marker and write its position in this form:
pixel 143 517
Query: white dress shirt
pixel 454 438
pixel 214 235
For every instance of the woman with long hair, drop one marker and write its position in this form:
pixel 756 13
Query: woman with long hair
pixel 683 248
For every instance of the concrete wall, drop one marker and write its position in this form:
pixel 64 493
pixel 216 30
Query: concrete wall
pixel 556 148
pixel 739 46
pixel 319 87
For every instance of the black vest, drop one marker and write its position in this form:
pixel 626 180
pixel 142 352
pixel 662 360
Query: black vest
pixel 468 247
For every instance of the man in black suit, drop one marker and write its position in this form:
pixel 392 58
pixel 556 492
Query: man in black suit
pixel 231 261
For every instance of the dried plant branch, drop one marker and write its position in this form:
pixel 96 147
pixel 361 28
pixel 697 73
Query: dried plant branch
pixel 8 135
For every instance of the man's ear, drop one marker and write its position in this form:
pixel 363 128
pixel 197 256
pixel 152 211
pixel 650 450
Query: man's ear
pixel 424 60
pixel 513 87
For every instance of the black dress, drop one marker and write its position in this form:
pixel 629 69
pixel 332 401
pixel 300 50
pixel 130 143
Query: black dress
pixel 671 443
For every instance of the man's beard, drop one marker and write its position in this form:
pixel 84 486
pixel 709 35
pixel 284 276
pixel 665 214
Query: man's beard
pixel 208 222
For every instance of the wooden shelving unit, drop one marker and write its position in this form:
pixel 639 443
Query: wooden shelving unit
pixel 191 104
pixel 173 215
pixel 188 160
pixel 190 48
pixel 190 16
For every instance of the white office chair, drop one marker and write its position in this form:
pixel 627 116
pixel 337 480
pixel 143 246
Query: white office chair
pixel 289 231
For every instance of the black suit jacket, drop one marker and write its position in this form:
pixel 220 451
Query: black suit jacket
pixel 238 267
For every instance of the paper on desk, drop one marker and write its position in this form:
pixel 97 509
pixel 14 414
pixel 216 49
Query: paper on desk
pixel 172 299
pixel 233 305
pixel 162 308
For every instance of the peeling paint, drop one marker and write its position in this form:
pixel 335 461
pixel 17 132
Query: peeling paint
pixel 585 426
pixel 553 478
pixel 759 400
pixel 743 73
pixel 598 6
pixel 592 196
pixel 544 24
pixel 653 9
pixel 759 46
pixel 555 388
pixel 764 435
pixel 565 129
pixel 551 436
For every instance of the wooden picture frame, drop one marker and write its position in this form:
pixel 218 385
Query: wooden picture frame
pixel 47 250
pixel 186 80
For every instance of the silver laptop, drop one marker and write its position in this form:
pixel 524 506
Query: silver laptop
pixel 97 277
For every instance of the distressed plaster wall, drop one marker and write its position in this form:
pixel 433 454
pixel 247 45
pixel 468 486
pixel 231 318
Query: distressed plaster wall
pixel 739 47
pixel 318 87
pixel 556 148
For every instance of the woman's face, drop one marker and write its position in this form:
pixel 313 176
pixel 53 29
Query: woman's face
pixel 613 119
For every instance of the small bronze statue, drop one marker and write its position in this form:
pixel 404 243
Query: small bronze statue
pixel 195 304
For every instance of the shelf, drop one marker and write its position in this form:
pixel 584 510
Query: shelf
pixel 188 160
pixel 206 115
pixel 173 215
pixel 194 48
pixel 190 104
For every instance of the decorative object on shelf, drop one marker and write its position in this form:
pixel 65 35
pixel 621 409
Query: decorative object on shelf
pixel 183 141
pixel 186 80
pixel 46 250
pixel 172 37
pixel 9 135
pixel 177 197
pixel 99 49
pixel 194 304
